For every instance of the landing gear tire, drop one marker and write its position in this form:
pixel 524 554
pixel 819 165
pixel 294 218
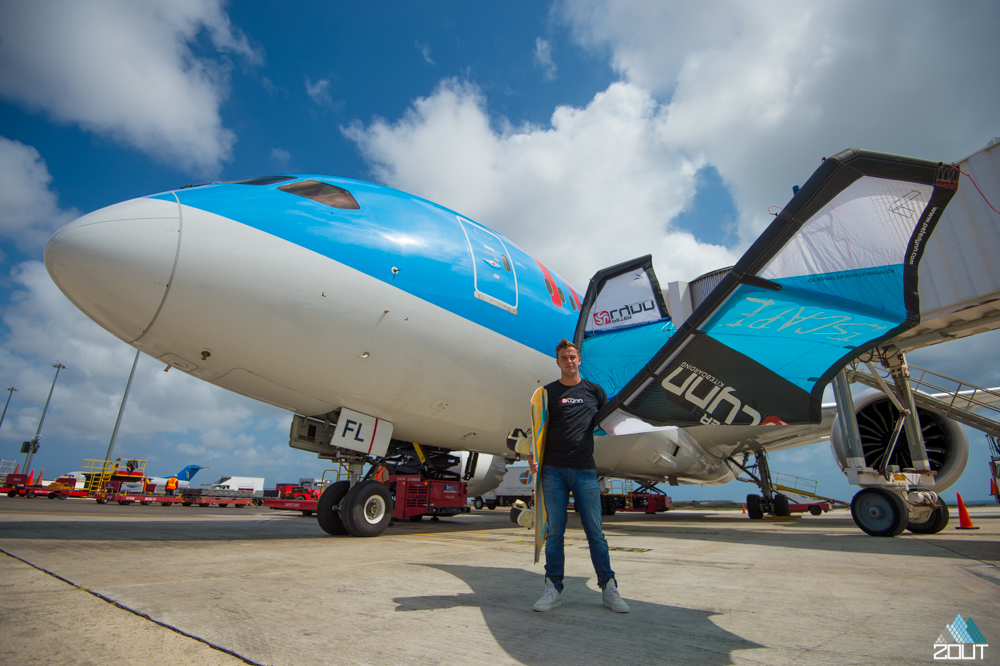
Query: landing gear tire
pixel 754 512
pixel 478 503
pixel 937 521
pixel 879 512
pixel 367 509
pixel 327 517
pixel 781 505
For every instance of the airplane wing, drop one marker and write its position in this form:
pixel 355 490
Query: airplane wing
pixel 833 276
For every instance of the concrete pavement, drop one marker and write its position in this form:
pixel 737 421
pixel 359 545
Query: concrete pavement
pixel 271 588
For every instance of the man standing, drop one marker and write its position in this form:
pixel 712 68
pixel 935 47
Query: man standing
pixel 568 465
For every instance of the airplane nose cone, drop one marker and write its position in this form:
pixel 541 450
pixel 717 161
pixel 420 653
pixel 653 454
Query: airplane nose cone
pixel 115 263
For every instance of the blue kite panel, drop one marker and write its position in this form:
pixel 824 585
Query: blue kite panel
pixel 879 288
pixel 798 334
pixel 612 359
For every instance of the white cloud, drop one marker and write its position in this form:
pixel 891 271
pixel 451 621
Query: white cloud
pixel 126 70
pixel 594 189
pixel 759 92
pixel 319 92
pixel 763 91
pixel 543 59
pixel 29 210
pixel 281 156
pixel 425 51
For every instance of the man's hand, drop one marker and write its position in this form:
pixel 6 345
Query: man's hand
pixel 532 466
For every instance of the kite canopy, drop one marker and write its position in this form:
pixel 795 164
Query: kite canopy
pixel 833 276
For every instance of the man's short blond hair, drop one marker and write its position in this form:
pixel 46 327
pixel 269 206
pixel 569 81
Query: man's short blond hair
pixel 566 344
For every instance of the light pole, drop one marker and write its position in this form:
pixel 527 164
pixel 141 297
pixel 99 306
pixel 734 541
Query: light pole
pixel 10 392
pixel 33 444
pixel 121 410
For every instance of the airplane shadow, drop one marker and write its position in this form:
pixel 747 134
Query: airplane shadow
pixel 581 631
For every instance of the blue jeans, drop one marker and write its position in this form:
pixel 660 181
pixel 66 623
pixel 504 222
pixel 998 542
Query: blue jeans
pixel 557 482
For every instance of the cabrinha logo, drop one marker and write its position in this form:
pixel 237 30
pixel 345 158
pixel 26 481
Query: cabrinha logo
pixel 960 640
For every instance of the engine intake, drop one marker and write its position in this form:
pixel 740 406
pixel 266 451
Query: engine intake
pixel 946 442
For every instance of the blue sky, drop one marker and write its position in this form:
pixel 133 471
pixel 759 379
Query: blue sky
pixel 588 132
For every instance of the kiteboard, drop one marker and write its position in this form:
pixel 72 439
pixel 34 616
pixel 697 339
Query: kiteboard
pixel 539 426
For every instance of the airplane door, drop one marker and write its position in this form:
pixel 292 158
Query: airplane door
pixel 494 279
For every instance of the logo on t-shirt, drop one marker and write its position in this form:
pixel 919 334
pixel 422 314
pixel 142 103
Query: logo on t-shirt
pixel 572 401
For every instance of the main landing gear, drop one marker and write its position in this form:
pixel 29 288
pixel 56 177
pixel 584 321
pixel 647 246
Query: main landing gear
pixel 768 502
pixel 363 506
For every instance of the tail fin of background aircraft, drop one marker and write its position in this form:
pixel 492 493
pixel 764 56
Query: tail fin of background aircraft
pixel 188 472
pixel 833 276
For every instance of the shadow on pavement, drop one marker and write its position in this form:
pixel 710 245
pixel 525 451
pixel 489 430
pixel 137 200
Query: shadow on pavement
pixel 581 631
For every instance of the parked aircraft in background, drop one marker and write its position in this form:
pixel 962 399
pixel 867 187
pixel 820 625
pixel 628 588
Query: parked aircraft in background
pixel 381 319
pixel 183 477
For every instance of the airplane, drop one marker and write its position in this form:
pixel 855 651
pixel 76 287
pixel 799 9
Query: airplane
pixel 382 320
pixel 183 477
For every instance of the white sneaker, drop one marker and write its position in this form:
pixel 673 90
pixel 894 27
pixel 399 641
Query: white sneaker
pixel 612 599
pixel 549 600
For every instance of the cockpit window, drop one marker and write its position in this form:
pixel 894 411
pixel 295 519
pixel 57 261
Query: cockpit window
pixel 324 193
pixel 263 180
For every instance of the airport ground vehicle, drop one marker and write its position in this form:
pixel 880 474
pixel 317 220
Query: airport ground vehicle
pixel 518 484
pixel 252 483
pixel 628 496
pixel 411 497
pixel 23 485
pixel 145 499
pixel 302 496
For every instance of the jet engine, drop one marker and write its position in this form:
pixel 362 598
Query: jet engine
pixel 484 472
pixel 946 442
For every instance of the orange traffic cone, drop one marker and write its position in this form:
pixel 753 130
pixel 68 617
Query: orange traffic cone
pixel 31 478
pixel 17 467
pixel 40 475
pixel 964 522
pixel 744 508
pixel 993 487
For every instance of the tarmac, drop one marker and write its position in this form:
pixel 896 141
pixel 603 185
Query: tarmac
pixel 83 583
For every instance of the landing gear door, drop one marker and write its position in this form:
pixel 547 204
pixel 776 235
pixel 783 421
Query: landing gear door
pixel 494 279
pixel 363 433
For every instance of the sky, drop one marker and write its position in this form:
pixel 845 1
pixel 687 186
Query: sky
pixel 588 132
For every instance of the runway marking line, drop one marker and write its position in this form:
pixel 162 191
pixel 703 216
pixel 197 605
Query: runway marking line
pixel 134 612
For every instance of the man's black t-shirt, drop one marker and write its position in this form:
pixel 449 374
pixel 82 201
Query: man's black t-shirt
pixel 570 438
